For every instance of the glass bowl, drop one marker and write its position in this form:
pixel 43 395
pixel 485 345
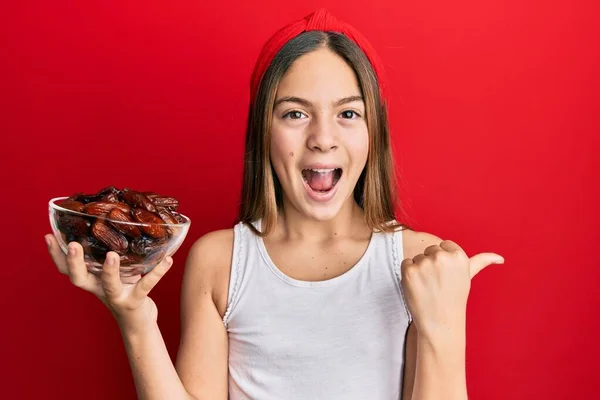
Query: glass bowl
pixel 140 245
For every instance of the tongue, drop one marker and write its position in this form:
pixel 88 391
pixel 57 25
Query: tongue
pixel 319 181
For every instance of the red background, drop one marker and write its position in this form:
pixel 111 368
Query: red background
pixel 494 113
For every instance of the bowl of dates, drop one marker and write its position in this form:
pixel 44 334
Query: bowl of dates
pixel 141 227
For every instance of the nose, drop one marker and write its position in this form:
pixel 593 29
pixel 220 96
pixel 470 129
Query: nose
pixel 322 136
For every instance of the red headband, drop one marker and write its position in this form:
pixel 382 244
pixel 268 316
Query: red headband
pixel 320 20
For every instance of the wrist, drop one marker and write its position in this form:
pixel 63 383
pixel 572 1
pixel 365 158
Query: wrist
pixel 442 357
pixel 454 345
pixel 133 333
pixel 134 324
pixel 443 337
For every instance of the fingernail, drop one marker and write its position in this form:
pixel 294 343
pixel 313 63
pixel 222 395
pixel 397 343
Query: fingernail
pixel 48 242
pixel 71 250
pixel 499 261
pixel 110 260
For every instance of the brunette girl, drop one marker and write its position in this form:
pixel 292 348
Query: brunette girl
pixel 318 292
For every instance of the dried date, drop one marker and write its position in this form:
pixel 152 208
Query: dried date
pixel 167 218
pixel 178 217
pixel 153 225
pixel 118 215
pixel 170 202
pixel 166 215
pixel 72 205
pixel 131 258
pixel 84 198
pixel 110 197
pixel 112 238
pixel 94 247
pixel 102 208
pixel 73 225
pixel 138 200
pixel 76 197
pixel 109 190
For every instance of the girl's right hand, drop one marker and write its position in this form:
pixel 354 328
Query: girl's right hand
pixel 127 300
pixel 437 285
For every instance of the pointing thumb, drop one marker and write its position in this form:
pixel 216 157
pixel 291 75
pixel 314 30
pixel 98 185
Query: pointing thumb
pixel 482 260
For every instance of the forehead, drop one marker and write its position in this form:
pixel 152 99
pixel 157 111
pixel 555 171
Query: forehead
pixel 319 75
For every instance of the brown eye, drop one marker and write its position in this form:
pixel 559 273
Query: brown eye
pixel 294 115
pixel 349 114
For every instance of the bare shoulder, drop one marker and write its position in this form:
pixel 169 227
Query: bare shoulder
pixel 415 242
pixel 208 267
pixel 211 251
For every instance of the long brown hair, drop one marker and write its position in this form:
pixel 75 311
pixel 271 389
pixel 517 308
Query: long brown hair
pixel 375 192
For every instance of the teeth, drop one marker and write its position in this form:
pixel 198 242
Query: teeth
pixel 322 171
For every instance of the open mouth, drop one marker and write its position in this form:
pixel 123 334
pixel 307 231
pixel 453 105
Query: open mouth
pixel 321 180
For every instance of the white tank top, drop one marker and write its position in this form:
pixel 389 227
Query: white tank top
pixel 342 338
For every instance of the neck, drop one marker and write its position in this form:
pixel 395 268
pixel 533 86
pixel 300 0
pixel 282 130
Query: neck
pixel 292 224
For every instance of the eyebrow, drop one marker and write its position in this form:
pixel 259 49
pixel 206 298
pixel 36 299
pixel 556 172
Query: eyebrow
pixel 306 103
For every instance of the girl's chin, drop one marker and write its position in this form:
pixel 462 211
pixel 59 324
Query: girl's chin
pixel 321 210
pixel 322 215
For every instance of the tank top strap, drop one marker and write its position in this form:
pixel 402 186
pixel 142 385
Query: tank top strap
pixel 397 258
pixel 241 236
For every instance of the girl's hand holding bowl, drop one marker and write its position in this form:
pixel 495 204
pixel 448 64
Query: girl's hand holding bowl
pixel 117 244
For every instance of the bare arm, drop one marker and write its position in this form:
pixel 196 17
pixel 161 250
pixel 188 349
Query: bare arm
pixel 434 360
pixel 440 368
pixel 410 362
pixel 436 286
pixel 201 368
pixel 154 375
pixel 433 373
pixel 202 361
pixel 201 372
